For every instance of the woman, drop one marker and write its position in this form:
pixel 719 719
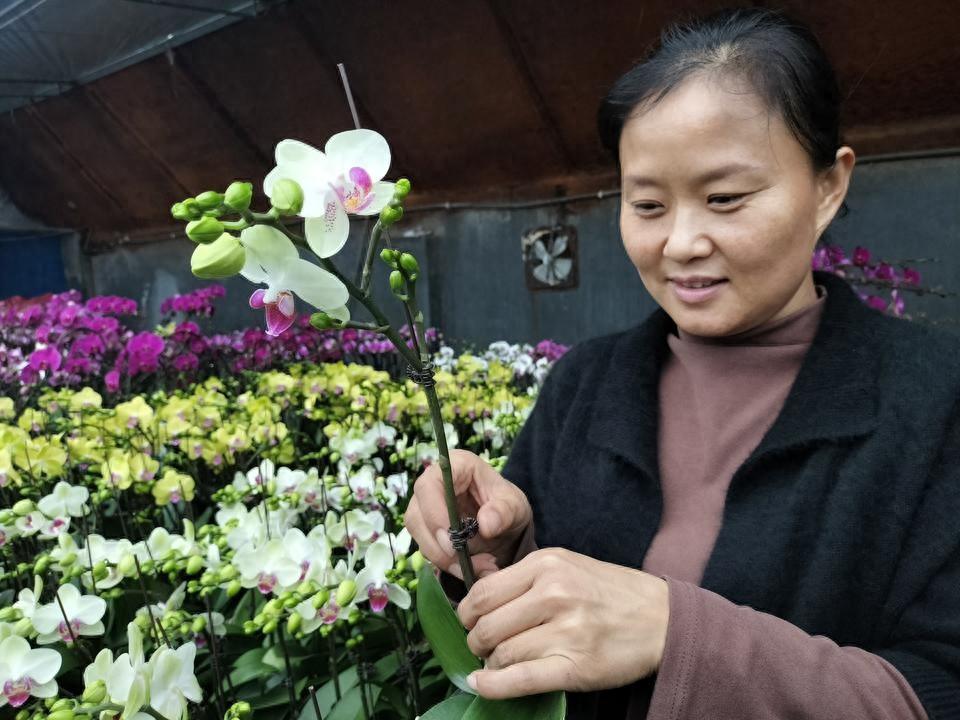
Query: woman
pixel 748 505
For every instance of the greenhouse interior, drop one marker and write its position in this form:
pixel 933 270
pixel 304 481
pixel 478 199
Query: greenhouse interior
pixel 483 360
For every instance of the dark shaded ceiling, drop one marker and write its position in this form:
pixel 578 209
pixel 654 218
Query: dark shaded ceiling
pixel 479 99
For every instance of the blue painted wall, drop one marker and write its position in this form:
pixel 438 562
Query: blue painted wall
pixel 31 264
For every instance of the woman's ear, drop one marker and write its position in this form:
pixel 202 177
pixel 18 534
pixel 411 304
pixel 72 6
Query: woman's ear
pixel 832 186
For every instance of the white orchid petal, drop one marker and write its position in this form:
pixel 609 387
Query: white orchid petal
pixel 273 249
pixel 378 558
pixel 297 153
pixel 315 285
pixel 40 664
pixel 89 609
pixel 382 194
pixel 359 148
pixel 327 232
pixel 398 596
pixel 47 689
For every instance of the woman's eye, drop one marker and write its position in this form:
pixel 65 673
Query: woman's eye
pixel 645 207
pixel 726 199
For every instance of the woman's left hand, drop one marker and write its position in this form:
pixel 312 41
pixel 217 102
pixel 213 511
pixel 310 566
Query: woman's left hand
pixel 558 620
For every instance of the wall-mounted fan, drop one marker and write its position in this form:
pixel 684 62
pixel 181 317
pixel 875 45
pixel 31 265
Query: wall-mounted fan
pixel 550 257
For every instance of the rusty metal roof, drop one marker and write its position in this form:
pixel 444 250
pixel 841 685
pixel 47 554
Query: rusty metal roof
pixel 479 99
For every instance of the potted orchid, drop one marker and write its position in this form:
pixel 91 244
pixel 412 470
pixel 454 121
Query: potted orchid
pixel 322 190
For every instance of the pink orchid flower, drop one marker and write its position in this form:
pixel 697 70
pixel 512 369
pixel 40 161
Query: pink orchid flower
pixel 271 258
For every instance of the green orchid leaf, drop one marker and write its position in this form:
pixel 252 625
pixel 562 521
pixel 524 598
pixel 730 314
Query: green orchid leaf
pixel 443 630
pixel 547 706
pixel 453 708
pixel 327 694
pixel 350 706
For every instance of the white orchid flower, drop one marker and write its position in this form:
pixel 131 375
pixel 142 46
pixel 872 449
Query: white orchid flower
pixel 28 600
pixel 329 612
pixel 289 481
pixel 31 523
pixel 256 477
pixel 172 682
pixel 267 567
pixel 65 500
pixel 125 678
pixel 398 544
pixel 54 528
pixel 381 435
pixel 273 259
pixel 347 178
pixel 372 580
pixel 354 529
pixel 83 616
pixel 112 551
pixel 363 483
pixel 26 671
pixel 310 552
pixel 398 483
pixel 487 429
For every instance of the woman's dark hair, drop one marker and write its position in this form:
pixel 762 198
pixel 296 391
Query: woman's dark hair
pixel 780 58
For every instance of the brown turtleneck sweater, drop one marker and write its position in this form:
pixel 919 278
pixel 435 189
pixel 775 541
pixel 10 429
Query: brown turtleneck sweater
pixel 718 397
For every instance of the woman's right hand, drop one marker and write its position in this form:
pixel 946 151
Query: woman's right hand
pixel 501 508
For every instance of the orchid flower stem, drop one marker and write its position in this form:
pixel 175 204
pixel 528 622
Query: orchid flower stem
pixel 415 360
pixel 334 671
pixel 288 681
pixel 214 657
pixel 316 703
pixel 372 245
pixel 158 630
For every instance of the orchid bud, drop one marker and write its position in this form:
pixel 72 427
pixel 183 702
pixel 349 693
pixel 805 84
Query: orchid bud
pixel 249 627
pixel 222 258
pixel 226 573
pixel 62 704
pixel 412 585
pixel 389 256
pixel 205 230
pixel 322 321
pixel 294 622
pixel 346 592
pixel 307 587
pixel 23 507
pixel 194 565
pixel 397 284
pixel 238 196
pixel 240 711
pixel 180 212
pixel 272 608
pixel 210 200
pixel 100 570
pixel 41 565
pixel 9 614
pixel 198 625
pixel 192 209
pixel 287 196
pixel 351 643
pixel 269 626
pixel 389 215
pixel 233 588
pixel 401 189
pixel 416 561
pixel 320 599
pixel 409 264
pixel 127 565
pixel 95 693
pixel 401 564
pixel 23 627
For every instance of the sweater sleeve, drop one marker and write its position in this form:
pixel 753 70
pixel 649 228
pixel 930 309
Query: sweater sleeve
pixel 731 661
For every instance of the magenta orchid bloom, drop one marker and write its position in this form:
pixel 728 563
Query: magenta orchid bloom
pixel 271 258
pixel 345 179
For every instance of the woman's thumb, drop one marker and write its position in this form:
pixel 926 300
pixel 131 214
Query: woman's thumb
pixel 496 517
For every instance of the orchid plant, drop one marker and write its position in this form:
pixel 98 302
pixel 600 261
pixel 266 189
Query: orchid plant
pixel 324 189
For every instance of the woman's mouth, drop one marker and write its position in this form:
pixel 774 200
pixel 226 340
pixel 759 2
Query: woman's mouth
pixel 701 293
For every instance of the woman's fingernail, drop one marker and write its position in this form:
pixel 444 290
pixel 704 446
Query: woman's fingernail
pixel 472 680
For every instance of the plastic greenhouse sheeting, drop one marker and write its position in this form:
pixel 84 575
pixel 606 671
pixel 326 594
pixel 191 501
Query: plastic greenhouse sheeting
pixel 49 46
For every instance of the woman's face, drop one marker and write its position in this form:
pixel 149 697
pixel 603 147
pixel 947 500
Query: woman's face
pixel 714 185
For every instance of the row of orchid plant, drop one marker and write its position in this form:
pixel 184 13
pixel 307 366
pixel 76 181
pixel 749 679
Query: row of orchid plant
pixel 241 535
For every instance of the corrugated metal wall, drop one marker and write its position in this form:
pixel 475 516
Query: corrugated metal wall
pixel 475 290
